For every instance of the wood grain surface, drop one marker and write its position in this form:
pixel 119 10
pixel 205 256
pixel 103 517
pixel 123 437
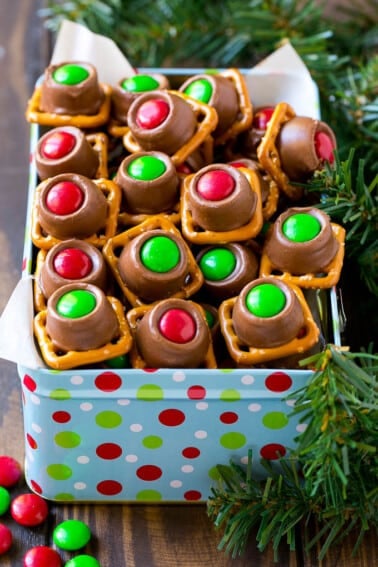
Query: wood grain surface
pixel 123 535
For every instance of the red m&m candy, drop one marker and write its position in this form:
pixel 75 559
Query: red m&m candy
pixel 64 198
pixel 5 539
pixel 10 471
pixel 42 556
pixel 57 145
pixel 72 264
pixel 152 113
pixel 29 509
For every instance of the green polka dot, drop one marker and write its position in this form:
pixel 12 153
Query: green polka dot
pixel 230 395
pixel 150 393
pixel 108 419
pixel 152 442
pixel 149 496
pixel 226 370
pixel 60 394
pixel 67 439
pixel 233 440
pixel 64 497
pixel 275 420
pixel 59 472
pixel 214 473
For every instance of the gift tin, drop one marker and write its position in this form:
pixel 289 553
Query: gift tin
pixel 129 435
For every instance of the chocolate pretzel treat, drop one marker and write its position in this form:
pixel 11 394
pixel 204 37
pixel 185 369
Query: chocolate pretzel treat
pixel 269 319
pixel 172 333
pixel 221 203
pixel 247 142
pixel 72 261
pixel 149 182
pixel 304 246
pixel 81 326
pixel 169 122
pixel 71 206
pixel 157 264
pixel 227 93
pixel 227 269
pixel 65 149
pixel 129 88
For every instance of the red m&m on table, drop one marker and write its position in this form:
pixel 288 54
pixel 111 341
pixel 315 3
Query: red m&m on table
pixel 42 556
pixel 29 509
pixel 10 471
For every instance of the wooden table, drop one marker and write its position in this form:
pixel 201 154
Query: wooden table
pixel 123 535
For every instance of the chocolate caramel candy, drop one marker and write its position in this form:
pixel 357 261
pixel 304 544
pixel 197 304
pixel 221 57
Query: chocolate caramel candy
pixel 162 121
pixel 72 261
pixel 173 334
pixel 128 89
pixel 220 198
pixel 80 317
pixel 227 269
pixel 149 182
pixel 267 314
pixel 254 165
pixel 248 141
pixel 71 206
pixel 304 144
pixel 218 92
pixel 65 150
pixel 301 241
pixel 71 88
pixel 154 265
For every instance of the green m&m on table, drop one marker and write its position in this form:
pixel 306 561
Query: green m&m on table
pixel 71 535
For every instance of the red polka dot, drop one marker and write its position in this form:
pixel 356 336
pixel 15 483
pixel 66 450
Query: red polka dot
pixel 171 417
pixel 24 264
pixel 109 487
pixel 29 383
pixel 149 472
pixel 228 417
pixel 109 451
pixel 196 392
pixel 36 487
pixel 192 495
pixel 191 452
pixel 61 416
pixel 272 451
pixel 31 441
pixel 278 382
pixel 108 381
pixel 150 370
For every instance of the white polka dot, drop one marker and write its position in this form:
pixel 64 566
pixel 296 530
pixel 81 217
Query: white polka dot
pixel 123 402
pixel 301 427
pixel 200 434
pixel 80 485
pixel 86 406
pixel 31 456
pixel 187 468
pixel 83 459
pixel 179 376
pixel 244 460
pixel 136 427
pixel 254 407
pixel 290 403
pixel 175 483
pixel 35 399
pixel 36 428
pixel 247 379
pixel 77 380
pixel 131 458
pixel 202 405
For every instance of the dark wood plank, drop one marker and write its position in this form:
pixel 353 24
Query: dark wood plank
pixel 123 535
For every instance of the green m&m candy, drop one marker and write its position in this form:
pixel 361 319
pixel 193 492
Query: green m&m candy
pixel 160 254
pixel 71 535
pixel 301 227
pixel 5 500
pixel 265 300
pixel 70 74
pixel 200 89
pixel 76 303
pixel 83 561
pixel 146 168
pixel 217 264
pixel 140 83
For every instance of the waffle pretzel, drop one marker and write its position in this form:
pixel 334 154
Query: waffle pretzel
pixel 329 278
pixel 197 235
pixel 113 196
pixel 245 113
pixel 207 120
pixel 137 361
pixel 114 245
pixel 268 154
pixel 250 355
pixel 34 114
pixel 99 143
pixel 71 359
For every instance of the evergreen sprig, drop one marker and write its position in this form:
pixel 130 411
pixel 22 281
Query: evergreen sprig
pixel 330 477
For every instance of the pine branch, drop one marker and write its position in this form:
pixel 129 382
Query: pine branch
pixel 337 457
